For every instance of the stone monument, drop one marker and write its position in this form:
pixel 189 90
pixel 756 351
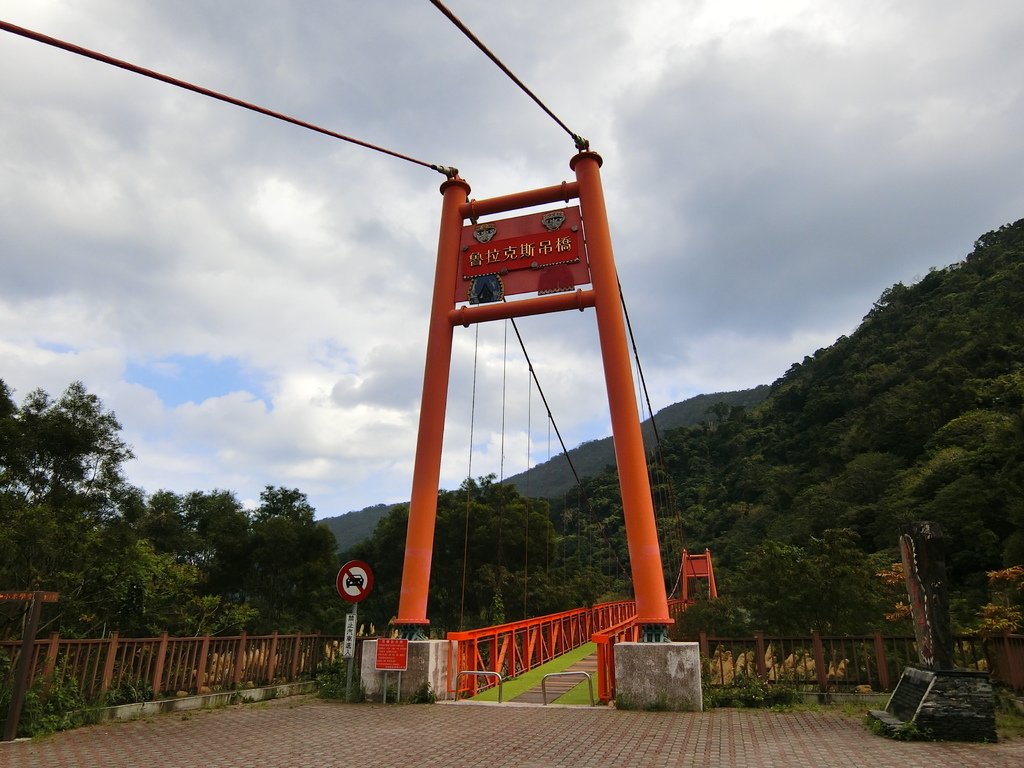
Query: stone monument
pixel 934 698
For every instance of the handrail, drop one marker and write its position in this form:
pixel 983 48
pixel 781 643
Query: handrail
pixel 575 673
pixel 482 673
pixel 516 647
pixel 624 631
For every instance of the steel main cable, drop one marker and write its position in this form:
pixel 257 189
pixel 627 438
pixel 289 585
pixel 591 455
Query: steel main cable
pixel 449 171
pixel 581 143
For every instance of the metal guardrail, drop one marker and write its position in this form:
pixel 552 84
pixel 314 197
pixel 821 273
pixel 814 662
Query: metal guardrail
pixel 544 683
pixel 481 673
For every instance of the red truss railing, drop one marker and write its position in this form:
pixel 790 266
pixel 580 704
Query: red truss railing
pixel 519 646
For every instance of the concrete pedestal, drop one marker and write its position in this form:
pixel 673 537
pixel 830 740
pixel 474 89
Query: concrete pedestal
pixel 660 676
pixel 428 663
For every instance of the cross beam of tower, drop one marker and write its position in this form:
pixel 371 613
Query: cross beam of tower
pixel 603 296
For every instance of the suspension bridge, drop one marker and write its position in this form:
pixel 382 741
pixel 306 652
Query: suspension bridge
pixel 501 269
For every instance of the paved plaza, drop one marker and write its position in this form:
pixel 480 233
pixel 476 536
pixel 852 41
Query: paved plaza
pixel 305 731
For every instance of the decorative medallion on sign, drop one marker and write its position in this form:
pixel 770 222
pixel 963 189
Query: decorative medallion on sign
pixel 484 232
pixel 486 289
pixel 553 220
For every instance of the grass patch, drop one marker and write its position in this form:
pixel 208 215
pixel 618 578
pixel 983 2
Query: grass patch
pixel 531 679
pixel 579 696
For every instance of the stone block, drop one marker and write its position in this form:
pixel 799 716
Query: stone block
pixel 947 705
pixel 661 676
pixel 428 663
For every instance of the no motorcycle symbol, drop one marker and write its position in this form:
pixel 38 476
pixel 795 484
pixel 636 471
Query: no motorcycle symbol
pixel 355 580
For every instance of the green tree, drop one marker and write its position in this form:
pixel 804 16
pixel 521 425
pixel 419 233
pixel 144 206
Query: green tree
pixel 293 564
pixel 62 494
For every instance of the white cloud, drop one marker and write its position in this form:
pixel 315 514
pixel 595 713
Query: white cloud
pixel 769 170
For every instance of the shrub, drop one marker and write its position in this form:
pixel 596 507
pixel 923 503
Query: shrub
pixel 129 691
pixel 423 695
pixel 332 682
pixel 58 708
pixel 751 692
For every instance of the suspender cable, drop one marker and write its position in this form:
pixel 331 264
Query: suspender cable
pixel 654 425
pixel 469 484
pixel 547 408
pixel 448 171
pixel 581 143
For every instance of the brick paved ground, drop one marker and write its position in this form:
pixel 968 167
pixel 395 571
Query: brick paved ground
pixel 307 732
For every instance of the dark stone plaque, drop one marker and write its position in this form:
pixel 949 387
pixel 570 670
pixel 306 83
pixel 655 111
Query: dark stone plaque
pixel 909 693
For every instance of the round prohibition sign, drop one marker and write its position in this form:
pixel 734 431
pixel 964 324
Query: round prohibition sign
pixel 355 580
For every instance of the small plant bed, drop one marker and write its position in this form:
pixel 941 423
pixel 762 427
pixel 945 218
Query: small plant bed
pixel 751 692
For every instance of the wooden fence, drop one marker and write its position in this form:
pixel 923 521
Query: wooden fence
pixel 851 663
pixel 865 663
pixel 135 669
pixel 155 667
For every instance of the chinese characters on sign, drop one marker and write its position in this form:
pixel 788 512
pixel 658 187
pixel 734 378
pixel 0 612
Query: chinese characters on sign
pixel 348 649
pixel 536 253
pixel 392 654
pixel 537 246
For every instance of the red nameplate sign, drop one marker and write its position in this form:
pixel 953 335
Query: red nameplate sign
pixel 540 252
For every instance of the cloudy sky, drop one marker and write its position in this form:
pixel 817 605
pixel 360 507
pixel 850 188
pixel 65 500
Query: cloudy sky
pixel 251 298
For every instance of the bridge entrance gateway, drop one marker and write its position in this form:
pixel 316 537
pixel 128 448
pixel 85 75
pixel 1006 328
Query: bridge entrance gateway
pixel 551 254
pixel 549 259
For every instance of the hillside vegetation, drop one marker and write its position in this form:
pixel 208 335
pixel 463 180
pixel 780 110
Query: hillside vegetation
pixel 917 415
pixel 555 476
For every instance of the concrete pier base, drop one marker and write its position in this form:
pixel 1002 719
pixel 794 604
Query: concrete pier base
pixel 658 676
pixel 428 663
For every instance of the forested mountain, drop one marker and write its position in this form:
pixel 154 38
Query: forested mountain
pixel 351 528
pixel 555 476
pixel 917 415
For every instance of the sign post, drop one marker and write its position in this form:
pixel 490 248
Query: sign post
pixel 392 656
pixel 354 582
pixel 28 638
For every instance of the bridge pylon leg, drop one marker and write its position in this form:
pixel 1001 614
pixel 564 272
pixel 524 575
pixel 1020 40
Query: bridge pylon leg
pixel 630 456
pixel 412 622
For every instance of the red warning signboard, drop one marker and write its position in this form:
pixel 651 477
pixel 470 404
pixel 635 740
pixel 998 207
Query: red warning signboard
pixel 355 580
pixel 392 654
pixel 540 252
